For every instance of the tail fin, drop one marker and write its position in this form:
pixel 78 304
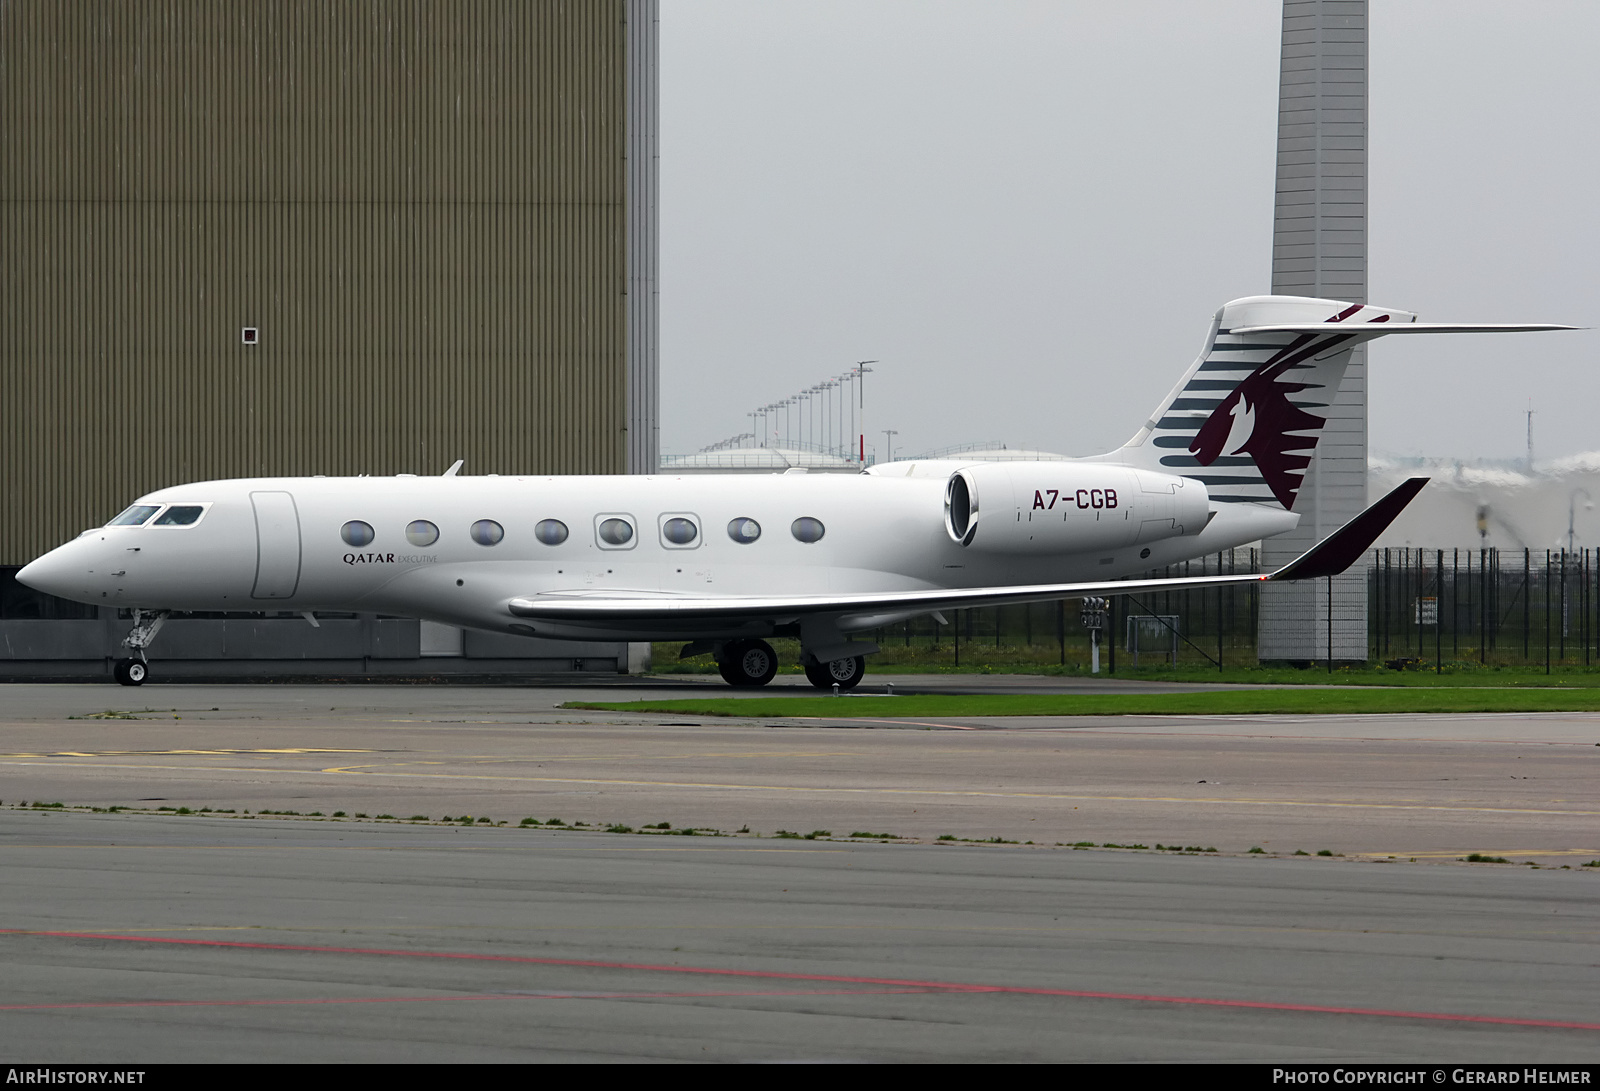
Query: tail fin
pixel 1245 418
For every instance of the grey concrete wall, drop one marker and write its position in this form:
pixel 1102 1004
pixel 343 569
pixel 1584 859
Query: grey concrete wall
pixel 196 649
pixel 1319 248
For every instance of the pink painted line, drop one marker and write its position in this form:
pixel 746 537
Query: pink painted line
pixel 842 979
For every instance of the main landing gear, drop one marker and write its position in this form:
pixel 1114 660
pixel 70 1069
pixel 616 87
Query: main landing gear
pixel 750 663
pixel 747 662
pixel 134 670
pixel 845 673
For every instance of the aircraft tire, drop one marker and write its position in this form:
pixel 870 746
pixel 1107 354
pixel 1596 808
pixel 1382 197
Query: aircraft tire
pixel 748 663
pixel 131 672
pixel 845 673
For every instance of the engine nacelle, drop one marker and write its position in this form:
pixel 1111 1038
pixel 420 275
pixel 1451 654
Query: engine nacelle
pixel 1050 508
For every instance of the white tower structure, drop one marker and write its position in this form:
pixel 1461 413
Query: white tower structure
pixel 1319 248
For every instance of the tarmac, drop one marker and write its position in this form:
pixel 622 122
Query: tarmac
pixel 163 936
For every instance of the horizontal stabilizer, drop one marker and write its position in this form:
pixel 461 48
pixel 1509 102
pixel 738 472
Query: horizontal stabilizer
pixel 1384 329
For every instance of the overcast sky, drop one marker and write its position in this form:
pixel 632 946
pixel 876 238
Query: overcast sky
pixel 1028 212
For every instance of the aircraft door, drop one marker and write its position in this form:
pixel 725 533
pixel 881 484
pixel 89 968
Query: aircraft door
pixel 277 545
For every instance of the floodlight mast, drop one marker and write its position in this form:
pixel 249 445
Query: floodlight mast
pixel 808 429
pixel 861 390
pixel 830 415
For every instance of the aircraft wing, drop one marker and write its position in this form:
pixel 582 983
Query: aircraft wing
pixel 1327 558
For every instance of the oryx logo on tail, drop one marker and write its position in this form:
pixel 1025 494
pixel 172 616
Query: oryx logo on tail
pixel 1259 420
pixel 1245 418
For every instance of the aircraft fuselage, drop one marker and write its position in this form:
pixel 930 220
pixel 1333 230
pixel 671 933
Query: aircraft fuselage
pixel 457 549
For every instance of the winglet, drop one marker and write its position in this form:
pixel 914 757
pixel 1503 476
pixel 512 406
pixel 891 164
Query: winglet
pixel 1339 550
pixel 455 468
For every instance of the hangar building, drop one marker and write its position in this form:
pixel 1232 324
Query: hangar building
pixel 296 237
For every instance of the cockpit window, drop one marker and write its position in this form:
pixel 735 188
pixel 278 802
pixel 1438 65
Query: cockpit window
pixel 135 516
pixel 180 515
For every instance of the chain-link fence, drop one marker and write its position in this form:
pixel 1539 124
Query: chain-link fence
pixel 1488 606
pixel 1424 607
pixel 1213 626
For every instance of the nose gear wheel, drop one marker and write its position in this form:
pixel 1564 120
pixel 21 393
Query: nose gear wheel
pixel 135 670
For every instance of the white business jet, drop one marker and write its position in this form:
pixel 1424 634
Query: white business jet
pixel 723 562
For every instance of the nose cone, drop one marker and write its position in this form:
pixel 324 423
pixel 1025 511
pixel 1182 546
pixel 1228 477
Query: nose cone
pixel 60 572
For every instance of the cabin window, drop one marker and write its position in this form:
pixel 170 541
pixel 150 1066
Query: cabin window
pixel 614 531
pixel 356 533
pixel 743 530
pixel 420 533
pixel 806 529
pixel 551 531
pixel 679 531
pixel 180 515
pixel 135 516
pixel 487 532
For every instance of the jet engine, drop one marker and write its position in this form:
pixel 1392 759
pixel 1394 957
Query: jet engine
pixel 1047 508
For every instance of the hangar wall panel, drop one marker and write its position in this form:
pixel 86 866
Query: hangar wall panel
pixel 644 387
pixel 422 207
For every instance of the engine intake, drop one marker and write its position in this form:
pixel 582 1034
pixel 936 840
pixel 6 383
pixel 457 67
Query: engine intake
pixel 960 509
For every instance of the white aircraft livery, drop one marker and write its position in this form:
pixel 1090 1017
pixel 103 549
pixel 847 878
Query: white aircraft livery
pixel 722 562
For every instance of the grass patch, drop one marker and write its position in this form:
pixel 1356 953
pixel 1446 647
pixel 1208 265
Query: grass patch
pixel 1298 702
pixel 1454 675
pixel 980 657
pixel 1480 858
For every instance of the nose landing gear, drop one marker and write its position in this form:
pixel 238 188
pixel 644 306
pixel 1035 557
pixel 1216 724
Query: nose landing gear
pixel 134 670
